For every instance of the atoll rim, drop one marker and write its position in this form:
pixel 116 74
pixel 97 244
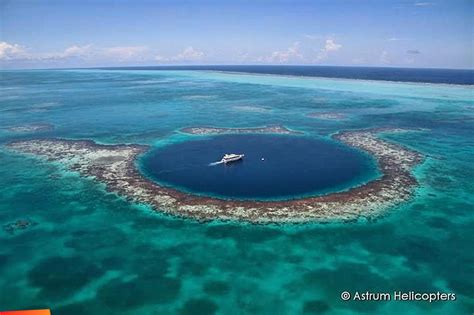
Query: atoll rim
pixel 115 165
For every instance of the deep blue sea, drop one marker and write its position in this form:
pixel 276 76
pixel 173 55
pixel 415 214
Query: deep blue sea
pixel 448 76
pixel 90 251
pixel 274 167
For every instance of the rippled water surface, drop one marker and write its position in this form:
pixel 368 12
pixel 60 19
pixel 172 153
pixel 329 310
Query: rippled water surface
pixel 92 252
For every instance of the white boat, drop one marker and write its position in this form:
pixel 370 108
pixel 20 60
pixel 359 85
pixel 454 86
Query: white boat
pixel 232 157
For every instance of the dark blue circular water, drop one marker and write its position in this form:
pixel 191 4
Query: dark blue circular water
pixel 291 166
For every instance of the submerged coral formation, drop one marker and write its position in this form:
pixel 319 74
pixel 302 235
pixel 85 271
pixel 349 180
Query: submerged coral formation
pixel 18 225
pixel 215 130
pixel 31 128
pixel 115 166
pixel 328 116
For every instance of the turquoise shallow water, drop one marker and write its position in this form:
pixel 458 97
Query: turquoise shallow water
pixel 93 252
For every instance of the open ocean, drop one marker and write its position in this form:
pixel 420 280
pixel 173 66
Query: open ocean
pixel 448 76
pixel 93 252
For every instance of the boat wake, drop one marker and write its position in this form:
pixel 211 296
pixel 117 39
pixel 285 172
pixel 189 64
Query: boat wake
pixel 228 158
pixel 216 163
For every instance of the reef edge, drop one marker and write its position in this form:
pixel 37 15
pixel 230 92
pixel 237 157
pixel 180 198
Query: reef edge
pixel 115 165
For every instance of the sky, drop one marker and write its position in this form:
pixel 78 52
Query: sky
pixel 383 33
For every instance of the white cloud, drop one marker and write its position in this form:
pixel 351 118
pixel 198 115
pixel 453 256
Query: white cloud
pixel 189 54
pixel 76 51
pixel 243 56
pixel 329 46
pixel 124 53
pixel 423 4
pixel 11 51
pixel 291 54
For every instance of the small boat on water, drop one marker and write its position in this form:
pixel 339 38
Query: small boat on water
pixel 232 157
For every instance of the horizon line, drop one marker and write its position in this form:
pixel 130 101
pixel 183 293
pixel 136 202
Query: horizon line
pixel 238 65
